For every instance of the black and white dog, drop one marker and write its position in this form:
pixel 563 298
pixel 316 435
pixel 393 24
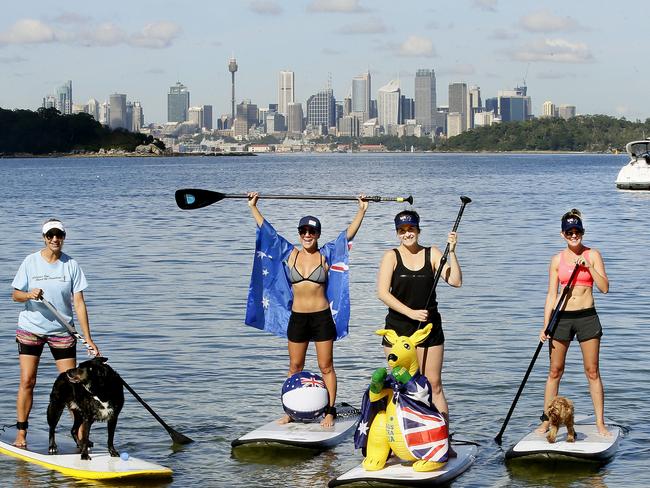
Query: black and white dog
pixel 92 391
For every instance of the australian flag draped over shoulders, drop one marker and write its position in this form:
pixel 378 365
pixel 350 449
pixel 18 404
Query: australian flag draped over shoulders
pixel 424 428
pixel 269 294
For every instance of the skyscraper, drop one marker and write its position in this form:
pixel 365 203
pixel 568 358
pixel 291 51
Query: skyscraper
pixel 321 110
pixel 458 99
pixel 64 98
pixel 361 90
pixel 473 105
pixel 388 106
pixel 93 108
pixel 118 117
pixel 232 67
pixel 514 105
pixel 178 102
pixel 548 109
pixel 425 99
pixel 294 118
pixel 566 111
pixel 286 94
pixel 207 117
pixel 138 117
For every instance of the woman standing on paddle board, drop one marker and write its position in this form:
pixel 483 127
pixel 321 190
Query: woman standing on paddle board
pixel 405 285
pixel 579 316
pixel 55 276
pixel 309 274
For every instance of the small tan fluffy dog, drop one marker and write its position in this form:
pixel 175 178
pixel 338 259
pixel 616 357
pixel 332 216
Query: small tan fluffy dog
pixel 560 412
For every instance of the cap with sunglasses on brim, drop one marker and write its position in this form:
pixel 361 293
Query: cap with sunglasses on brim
pixel 572 222
pixel 53 224
pixel 309 221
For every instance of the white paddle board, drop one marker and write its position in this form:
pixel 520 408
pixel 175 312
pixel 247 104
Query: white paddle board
pixel 68 461
pixel 589 444
pixel 310 435
pixel 399 472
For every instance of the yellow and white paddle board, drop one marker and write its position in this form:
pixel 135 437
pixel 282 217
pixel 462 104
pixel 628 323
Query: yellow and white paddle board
pixel 101 466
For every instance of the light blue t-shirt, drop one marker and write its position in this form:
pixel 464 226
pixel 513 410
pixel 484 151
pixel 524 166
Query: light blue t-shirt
pixel 58 280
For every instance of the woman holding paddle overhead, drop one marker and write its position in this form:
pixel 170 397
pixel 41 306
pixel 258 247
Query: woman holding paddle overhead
pixel 304 292
pixel 55 276
pixel 578 318
pixel 405 283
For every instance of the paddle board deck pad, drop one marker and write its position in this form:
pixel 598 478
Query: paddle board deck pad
pixel 398 472
pixel 101 466
pixel 589 444
pixel 309 435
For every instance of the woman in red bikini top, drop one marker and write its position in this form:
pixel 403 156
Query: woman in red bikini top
pixel 578 318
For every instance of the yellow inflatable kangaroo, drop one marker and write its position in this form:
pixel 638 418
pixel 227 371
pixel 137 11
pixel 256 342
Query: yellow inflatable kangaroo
pixel 408 396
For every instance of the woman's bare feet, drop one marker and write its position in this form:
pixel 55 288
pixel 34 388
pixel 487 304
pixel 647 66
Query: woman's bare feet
pixel 602 430
pixel 543 428
pixel 328 421
pixel 285 420
pixel 21 439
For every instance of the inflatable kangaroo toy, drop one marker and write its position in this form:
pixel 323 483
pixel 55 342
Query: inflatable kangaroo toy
pixel 397 412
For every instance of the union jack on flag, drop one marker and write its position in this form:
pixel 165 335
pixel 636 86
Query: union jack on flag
pixel 312 381
pixel 425 434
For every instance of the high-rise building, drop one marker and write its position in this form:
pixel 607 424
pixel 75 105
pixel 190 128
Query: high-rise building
pixel 492 105
pixel 361 90
pixel 321 110
pixel 425 99
pixel 137 118
pixel 178 102
pixel 294 118
pixel 286 93
pixel 548 109
pixel 117 119
pixel 232 67
pixel 93 109
pixel 49 101
pixel 566 111
pixel 388 106
pixel 105 113
pixel 195 115
pixel 245 117
pixel 129 116
pixel 458 98
pixel 407 108
pixel 64 98
pixel 514 105
pixel 348 126
pixel 474 105
pixel 207 117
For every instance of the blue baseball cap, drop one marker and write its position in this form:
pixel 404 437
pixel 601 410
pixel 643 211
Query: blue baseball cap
pixel 572 222
pixel 407 219
pixel 309 221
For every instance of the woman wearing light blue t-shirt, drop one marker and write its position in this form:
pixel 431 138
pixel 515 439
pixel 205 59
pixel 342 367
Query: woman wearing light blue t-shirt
pixel 53 275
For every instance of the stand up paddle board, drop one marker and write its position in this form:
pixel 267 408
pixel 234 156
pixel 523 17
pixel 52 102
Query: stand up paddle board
pixel 310 435
pixel 101 466
pixel 589 444
pixel 399 472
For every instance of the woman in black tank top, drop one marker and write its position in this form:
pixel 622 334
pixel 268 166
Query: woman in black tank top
pixel 405 283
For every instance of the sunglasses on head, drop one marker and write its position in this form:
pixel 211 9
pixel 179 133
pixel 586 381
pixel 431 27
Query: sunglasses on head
pixel 50 234
pixel 307 230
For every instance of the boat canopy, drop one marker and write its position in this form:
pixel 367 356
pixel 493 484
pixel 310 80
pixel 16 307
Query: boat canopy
pixel 638 148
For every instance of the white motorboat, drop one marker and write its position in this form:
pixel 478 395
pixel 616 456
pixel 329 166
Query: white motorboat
pixel 635 175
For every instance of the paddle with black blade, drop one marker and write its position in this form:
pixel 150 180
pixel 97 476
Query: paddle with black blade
pixel 550 330
pixel 177 437
pixel 443 260
pixel 192 198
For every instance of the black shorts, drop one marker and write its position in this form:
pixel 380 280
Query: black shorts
pixel 435 338
pixel 583 324
pixel 61 347
pixel 311 326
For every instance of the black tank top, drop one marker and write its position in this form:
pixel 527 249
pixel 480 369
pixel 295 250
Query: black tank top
pixel 412 288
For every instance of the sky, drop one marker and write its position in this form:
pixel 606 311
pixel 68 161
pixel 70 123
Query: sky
pixel 587 53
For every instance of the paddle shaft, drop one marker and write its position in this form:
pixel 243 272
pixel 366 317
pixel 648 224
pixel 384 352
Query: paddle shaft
pixel 177 437
pixel 550 330
pixel 443 260
pixel 375 198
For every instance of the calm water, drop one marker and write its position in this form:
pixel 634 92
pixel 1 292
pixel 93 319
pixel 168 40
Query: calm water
pixel 168 289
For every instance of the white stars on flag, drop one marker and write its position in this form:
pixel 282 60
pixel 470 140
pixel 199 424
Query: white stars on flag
pixel 363 428
pixel 266 302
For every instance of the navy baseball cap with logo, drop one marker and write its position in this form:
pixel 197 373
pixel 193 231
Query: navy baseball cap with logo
pixel 572 222
pixel 309 221
pixel 407 219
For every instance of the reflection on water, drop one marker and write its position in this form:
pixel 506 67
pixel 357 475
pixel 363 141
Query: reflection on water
pixel 168 290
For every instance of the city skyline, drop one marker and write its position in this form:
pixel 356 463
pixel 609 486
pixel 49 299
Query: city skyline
pixel 558 50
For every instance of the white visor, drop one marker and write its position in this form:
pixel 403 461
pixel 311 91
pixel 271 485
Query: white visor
pixel 54 224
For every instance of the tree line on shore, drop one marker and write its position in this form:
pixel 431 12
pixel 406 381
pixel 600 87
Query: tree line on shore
pixel 46 131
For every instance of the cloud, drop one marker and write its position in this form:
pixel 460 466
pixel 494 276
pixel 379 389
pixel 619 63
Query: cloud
pixel 106 34
pixel 416 46
pixel 71 18
pixel 502 35
pixel 335 6
pixel 374 26
pixel 28 31
pixel 156 35
pixel 545 21
pixel 489 5
pixel 12 59
pixel 266 7
pixel 554 51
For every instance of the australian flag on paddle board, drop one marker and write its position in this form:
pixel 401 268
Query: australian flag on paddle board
pixel 269 294
pixel 423 428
